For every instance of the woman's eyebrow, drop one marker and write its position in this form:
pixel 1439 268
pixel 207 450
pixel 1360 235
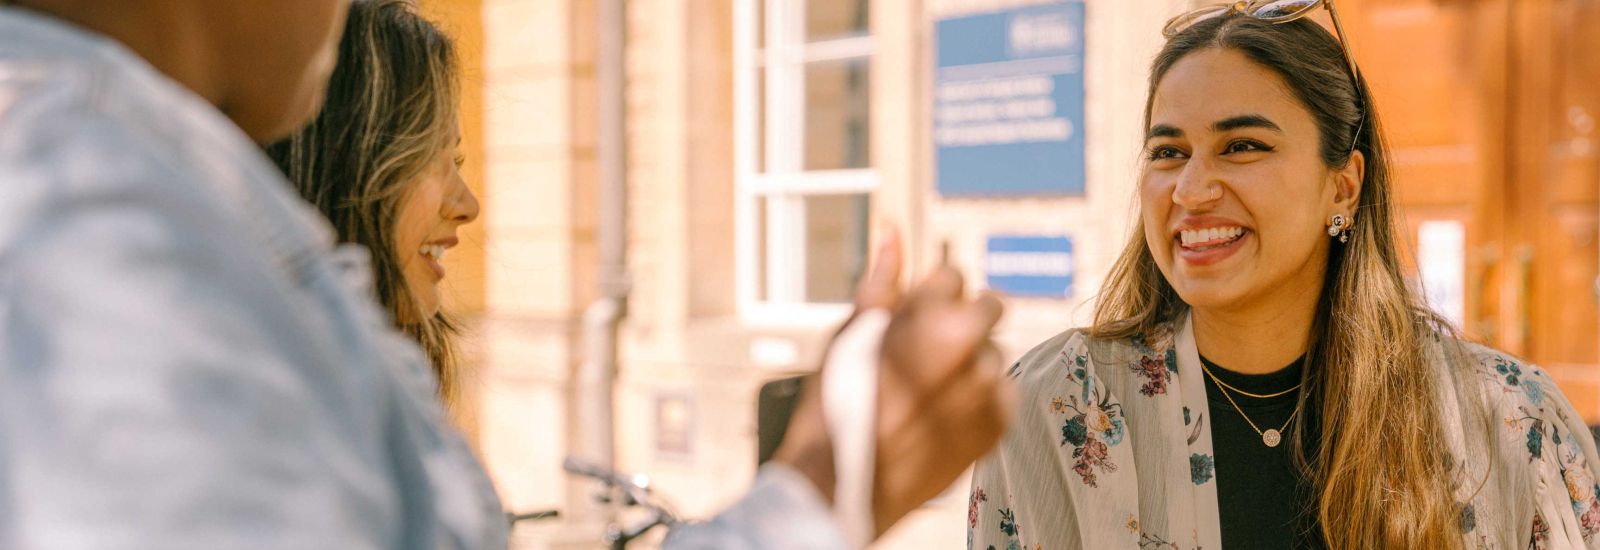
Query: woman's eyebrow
pixel 1224 125
pixel 1245 121
pixel 1163 131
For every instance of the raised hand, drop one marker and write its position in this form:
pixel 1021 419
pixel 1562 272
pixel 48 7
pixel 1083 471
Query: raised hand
pixel 941 404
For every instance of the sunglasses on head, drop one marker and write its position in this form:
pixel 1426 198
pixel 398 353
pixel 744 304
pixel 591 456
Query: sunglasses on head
pixel 1278 11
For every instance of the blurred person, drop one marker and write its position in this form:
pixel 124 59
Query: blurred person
pixel 1259 374
pixel 188 361
pixel 382 162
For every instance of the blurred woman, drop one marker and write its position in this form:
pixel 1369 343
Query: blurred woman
pixel 1259 375
pixel 381 162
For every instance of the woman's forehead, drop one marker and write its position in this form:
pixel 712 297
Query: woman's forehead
pixel 1217 84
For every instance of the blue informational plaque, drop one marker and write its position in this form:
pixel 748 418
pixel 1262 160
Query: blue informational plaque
pixel 1030 265
pixel 1008 102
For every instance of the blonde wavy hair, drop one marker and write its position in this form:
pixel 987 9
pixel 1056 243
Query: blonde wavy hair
pixel 1368 371
pixel 390 111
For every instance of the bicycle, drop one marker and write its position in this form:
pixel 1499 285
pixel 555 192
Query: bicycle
pixel 634 492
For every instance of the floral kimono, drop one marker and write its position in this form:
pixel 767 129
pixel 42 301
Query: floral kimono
pixel 1112 450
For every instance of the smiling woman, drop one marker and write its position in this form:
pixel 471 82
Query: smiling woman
pixel 1261 302
pixel 381 162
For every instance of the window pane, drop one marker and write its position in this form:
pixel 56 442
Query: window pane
pixel 836 246
pixel 836 115
pixel 828 19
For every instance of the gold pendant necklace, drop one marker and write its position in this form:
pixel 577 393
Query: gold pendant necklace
pixel 1271 437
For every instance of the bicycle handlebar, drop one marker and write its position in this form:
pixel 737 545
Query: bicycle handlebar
pixel 637 491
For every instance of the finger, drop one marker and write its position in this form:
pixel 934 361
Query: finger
pixel 991 366
pixel 977 401
pixel 881 287
pixel 988 360
pixel 942 343
pixel 972 380
pixel 966 329
pixel 989 309
pixel 943 285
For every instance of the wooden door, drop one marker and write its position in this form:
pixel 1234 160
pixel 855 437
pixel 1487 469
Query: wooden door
pixel 1554 211
pixel 1491 110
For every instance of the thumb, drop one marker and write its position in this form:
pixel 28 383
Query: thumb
pixel 881 287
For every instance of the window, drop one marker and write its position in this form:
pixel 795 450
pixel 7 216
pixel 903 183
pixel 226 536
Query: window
pixel 804 176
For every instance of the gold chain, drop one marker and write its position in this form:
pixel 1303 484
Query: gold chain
pixel 1245 393
pixel 1241 411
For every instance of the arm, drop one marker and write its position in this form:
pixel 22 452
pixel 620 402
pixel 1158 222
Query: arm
pixel 1567 512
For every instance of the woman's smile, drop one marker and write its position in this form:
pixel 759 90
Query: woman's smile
pixel 1201 241
pixel 433 254
pixel 1213 250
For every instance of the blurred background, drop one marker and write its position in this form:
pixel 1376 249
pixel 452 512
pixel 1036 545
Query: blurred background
pixel 761 146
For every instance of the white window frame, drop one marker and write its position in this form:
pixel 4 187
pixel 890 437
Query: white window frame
pixel 784 183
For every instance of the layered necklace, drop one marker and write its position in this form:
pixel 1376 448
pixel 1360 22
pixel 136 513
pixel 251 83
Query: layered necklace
pixel 1272 436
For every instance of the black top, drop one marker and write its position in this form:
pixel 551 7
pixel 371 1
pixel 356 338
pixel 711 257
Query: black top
pixel 1262 499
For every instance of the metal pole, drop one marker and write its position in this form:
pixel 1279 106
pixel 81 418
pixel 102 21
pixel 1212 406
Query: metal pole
pixel 595 440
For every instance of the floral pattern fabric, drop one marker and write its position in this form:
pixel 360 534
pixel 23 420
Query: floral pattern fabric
pixel 1112 450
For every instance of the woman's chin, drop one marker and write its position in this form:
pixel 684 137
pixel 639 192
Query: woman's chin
pixel 430 306
pixel 1208 293
pixel 427 305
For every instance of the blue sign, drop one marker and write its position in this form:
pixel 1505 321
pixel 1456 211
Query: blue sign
pixel 1023 265
pixel 1008 102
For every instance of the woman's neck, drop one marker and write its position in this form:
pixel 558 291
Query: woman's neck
pixel 1256 340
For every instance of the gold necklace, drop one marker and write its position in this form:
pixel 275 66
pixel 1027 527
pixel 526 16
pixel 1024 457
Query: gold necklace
pixel 1245 393
pixel 1271 437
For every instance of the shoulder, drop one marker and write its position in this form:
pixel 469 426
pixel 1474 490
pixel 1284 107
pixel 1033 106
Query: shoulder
pixel 64 160
pixel 88 119
pixel 1078 352
pixel 1538 446
pixel 124 221
pixel 1520 405
pixel 1058 352
pixel 1507 383
pixel 1508 391
pixel 148 165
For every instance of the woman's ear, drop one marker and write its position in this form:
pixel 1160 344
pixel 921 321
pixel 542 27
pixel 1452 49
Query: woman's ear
pixel 1347 183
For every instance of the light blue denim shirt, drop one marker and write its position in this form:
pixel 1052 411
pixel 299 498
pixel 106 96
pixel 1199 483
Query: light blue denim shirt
pixel 187 361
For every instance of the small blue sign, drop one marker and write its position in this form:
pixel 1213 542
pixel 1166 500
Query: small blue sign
pixel 1008 102
pixel 1028 265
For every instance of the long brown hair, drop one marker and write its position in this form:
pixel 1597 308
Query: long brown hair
pixel 389 112
pixel 1367 364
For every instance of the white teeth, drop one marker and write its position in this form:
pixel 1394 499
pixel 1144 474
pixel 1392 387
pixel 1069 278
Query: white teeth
pixel 433 251
pixel 1192 237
